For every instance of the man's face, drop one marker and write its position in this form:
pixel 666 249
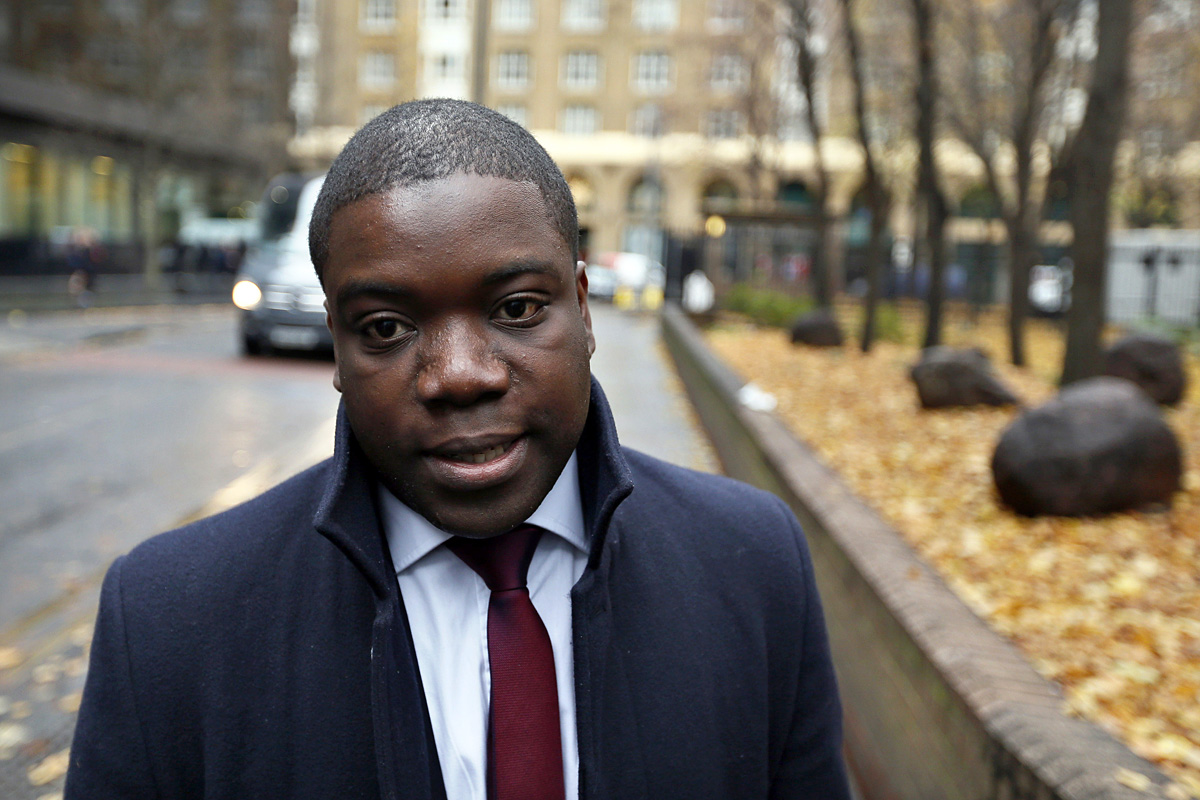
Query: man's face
pixel 462 342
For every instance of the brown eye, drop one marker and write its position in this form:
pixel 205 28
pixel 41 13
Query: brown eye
pixel 384 329
pixel 514 310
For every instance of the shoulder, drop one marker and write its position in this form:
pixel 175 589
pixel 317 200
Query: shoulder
pixel 217 550
pixel 669 485
pixel 712 514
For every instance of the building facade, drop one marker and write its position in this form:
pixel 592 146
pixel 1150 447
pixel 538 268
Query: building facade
pixel 128 118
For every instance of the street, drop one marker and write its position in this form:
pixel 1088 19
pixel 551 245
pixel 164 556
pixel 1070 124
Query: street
pixel 122 423
pixel 117 425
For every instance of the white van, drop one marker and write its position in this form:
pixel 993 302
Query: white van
pixel 282 303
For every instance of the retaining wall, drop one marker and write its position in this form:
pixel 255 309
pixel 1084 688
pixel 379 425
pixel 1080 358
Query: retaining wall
pixel 937 705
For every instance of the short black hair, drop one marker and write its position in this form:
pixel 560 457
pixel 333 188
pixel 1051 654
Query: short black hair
pixel 426 140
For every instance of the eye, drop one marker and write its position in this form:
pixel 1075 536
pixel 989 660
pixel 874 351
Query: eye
pixel 519 309
pixel 384 329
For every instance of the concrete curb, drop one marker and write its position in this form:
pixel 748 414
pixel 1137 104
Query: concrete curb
pixel 937 705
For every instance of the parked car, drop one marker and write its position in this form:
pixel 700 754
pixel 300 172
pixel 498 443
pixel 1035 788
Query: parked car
pixel 282 303
pixel 629 279
pixel 602 281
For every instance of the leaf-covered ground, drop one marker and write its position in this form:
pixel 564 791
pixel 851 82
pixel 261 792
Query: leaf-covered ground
pixel 1109 608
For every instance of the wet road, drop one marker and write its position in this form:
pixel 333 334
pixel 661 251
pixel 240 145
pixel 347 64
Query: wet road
pixel 118 424
pixel 115 436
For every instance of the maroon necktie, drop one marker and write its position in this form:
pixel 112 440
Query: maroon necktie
pixel 524 744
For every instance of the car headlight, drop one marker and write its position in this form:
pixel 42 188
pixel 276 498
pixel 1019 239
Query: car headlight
pixel 246 295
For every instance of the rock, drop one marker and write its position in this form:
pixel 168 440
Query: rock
pixel 817 329
pixel 946 377
pixel 1152 362
pixel 1100 446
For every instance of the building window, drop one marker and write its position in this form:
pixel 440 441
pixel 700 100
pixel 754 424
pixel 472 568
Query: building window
pixel 728 72
pixel 579 120
pixel 189 60
pixel 648 121
pixel 119 59
pixel 254 13
pixel 252 111
pixel 127 11
pixel 188 12
pixel 377 70
pixel 723 123
pixel 515 112
pixel 726 15
pixel 583 15
pixel 252 63
pixel 645 197
pixel 652 72
pixel 655 15
pixel 581 70
pixel 512 70
pixel 513 15
pixel 446 67
pixel 446 10
pixel 378 14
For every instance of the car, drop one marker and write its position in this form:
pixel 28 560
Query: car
pixel 281 300
pixel 602 281
pixel 631 280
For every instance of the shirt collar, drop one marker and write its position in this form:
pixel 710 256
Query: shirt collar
pixel 411 537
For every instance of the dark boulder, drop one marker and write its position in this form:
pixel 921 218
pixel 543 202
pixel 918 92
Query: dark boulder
pixel 1100 446
pixel 817 329
pixel 1152 362
pixel 946 376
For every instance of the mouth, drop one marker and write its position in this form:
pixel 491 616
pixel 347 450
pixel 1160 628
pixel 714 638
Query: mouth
pixel 470 466
pixel 483 456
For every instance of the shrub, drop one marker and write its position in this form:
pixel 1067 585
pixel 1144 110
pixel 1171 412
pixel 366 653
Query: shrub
pixel 766 306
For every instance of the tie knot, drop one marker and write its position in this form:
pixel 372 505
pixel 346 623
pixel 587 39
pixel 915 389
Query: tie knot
pixel 502 561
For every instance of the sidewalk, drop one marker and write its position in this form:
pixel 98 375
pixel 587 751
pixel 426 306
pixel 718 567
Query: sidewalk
pixel 38 293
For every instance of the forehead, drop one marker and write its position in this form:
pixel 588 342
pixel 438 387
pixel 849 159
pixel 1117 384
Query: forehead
pixel 461 211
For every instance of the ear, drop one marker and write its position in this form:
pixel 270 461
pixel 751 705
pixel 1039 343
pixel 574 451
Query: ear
pixel 337 371
pixel 581 286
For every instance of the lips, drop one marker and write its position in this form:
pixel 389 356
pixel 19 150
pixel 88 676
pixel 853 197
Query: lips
pixel 470 465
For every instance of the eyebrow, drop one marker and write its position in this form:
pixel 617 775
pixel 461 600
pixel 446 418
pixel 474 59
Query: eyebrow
pixel 521 267
pixel 358 288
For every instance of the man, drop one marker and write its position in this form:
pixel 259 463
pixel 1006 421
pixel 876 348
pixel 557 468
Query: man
pixel 345 634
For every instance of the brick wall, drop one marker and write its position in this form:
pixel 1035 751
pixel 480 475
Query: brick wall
pixel 936 704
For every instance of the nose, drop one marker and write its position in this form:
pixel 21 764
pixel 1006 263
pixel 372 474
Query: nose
pixel 459 366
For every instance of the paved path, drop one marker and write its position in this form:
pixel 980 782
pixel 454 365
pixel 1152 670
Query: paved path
pixel 652 413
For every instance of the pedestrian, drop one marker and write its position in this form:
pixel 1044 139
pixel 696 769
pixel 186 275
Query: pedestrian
pixel 482 594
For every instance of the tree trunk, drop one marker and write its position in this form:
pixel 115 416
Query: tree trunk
pixel 1021 256
pixel 822 291
pixel 877 197
pixel 927 181
pixel 936 213
pixel 1092 175
pixel 874 275
pixel 806 68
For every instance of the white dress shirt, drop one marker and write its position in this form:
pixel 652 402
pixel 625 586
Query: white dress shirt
pixel 447 607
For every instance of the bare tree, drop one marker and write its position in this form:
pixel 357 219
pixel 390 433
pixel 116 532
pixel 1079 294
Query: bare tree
pixel 929 188
pixel 877 196
pixel 1163 117
pixel 1008 58
pixel 1091 170
pixel 803 35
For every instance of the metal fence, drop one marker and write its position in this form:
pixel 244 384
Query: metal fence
pixel 1154 274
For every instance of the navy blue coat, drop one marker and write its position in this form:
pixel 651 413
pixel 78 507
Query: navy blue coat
pixel 264 652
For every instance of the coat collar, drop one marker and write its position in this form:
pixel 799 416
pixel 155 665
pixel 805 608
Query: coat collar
pixel 347 514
